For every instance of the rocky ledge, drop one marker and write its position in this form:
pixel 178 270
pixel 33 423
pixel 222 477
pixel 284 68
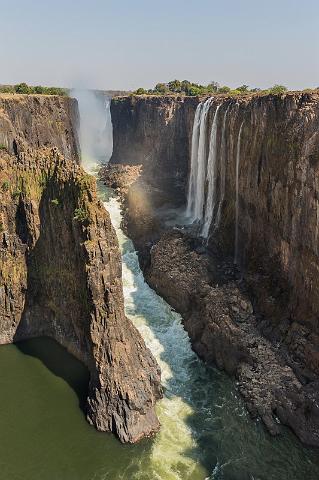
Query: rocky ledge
pixel 224 329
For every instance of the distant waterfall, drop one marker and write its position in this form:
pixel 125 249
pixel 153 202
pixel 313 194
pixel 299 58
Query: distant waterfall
pixel 205 194
pixel 95 133
pixel 196 191
pixel 237 192
pixel 211 177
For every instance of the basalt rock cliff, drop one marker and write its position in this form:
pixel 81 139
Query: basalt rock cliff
pixel 257 320
pixel 60 265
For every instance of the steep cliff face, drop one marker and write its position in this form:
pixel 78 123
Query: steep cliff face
pixel 34 121
pixel 155 132
pixel 278 210
pixel 278 178
pixel 261 325
pixel 60 266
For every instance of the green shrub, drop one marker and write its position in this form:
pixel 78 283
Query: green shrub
pixel 2 147
pixel 16 193
pixel 7 89
pixel 278 89
pixel 140 91
pixel 5 186
pixel 185 87
pixel 22 88
pixel 80 215
pixel 243 88
pixel 174 86
pixel 39 89
pixel 55 202
pixel 213 87
pixel 224 89
pixel 160 88
pixel 194 90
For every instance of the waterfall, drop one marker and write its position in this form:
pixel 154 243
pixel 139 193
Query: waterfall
pixel 223 160
pixel 95 133
pixel 194 159
pixel 203 170
pixel 237 193
pixel 211 176
pixel 196 193
pixel 202 161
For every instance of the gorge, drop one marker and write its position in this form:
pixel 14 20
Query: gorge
pixel 60 265
pixel 223 216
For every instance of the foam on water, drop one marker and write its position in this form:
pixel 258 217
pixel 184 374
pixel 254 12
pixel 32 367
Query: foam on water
pixel 165 336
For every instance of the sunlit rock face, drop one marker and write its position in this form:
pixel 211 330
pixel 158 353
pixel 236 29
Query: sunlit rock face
pixel 60 265
pixel 266 177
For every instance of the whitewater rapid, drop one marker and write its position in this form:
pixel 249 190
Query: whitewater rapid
pixel 165 336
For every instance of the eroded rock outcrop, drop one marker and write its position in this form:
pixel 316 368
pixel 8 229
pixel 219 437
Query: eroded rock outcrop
pixel 60 266
pixel 224 329
pixel 273 347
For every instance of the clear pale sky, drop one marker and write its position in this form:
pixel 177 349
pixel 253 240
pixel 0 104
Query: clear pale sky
pixel 126 44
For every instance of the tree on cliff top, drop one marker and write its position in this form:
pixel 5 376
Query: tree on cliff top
pixel 25 89
pixel 22 88
pixel 185 87
pixel 278 89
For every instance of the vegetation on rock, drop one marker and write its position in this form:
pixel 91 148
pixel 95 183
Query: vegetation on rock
pixel 80 215
pixel 25 89
pixel 184 87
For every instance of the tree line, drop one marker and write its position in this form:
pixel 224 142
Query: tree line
pixel 24 88
pixel 184 87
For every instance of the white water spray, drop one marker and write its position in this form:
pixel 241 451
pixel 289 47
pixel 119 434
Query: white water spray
pixel 202 159
pixel 196 194
pixel 237 193
pixel 95 133
pixel 211 176
pixel 194 163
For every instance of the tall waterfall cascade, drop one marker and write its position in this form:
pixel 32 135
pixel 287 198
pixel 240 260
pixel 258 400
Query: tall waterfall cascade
pixel 211 174
pixel 202 203
pixel 207 178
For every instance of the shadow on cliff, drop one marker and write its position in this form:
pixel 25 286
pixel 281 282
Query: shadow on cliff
pixel 54 314
pixel 60 362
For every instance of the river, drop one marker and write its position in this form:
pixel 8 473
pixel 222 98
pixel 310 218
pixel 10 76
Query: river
pixel 206 432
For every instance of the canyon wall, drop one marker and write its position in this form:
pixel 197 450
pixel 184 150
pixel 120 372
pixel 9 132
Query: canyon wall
pixel 155 133
pixel 34 121
pixel 278 178
pixel 60 265
pixel 258 321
